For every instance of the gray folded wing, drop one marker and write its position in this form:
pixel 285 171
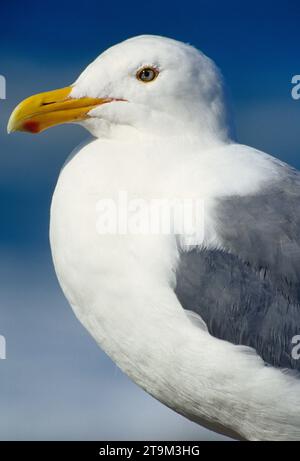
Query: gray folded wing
pixel 248 292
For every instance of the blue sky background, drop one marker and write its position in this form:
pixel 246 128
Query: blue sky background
pixel 56 383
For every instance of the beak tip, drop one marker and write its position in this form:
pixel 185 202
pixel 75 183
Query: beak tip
pixel 11 125
pixel 10 128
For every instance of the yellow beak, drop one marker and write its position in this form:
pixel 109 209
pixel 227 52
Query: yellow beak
pixel 41 111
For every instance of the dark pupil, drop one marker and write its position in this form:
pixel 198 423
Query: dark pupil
pixel 146 74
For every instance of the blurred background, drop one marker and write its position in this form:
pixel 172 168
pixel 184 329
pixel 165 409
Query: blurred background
pixel 56 383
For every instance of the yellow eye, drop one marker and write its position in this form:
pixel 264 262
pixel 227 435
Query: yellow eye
pixel 147 74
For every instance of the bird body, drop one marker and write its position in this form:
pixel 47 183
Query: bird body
pixel 204 321
pixel 121 287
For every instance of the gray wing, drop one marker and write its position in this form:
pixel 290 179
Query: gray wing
pixel 249 292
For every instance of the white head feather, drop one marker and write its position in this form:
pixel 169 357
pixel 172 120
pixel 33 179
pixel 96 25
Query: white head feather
pixel 187 96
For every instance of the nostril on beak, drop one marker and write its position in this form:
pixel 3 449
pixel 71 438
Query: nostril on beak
pixel 48 103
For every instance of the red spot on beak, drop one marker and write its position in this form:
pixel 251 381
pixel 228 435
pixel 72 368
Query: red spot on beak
pixel 31 126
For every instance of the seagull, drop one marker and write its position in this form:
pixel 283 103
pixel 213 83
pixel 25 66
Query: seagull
pixel 206 320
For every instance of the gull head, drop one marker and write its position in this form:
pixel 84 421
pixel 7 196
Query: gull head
pixel 146 85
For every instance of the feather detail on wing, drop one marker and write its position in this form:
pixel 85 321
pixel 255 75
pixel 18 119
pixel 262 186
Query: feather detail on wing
pixel 248 292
